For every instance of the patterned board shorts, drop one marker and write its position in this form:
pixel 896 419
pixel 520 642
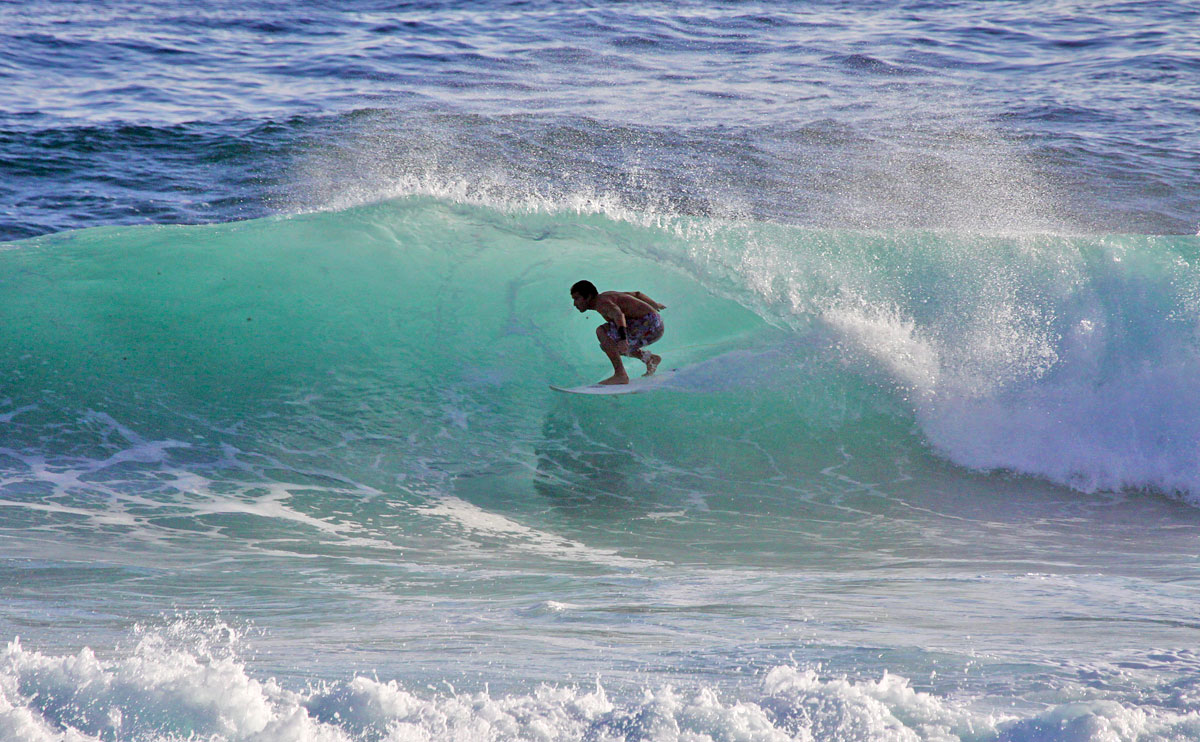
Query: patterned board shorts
pixel 639 332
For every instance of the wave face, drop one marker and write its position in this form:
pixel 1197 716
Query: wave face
pixel 1068 358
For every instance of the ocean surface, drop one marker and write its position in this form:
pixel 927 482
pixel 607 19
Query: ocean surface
pixel 283 286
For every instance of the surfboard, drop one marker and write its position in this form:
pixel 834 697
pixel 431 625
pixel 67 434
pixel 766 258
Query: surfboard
pixel 636 385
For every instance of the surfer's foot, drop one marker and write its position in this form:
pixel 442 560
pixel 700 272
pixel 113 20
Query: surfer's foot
pixel 652 364
pixel 615 379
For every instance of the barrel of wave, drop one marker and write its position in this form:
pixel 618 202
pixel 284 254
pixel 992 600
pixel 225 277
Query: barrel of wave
pixel 408 294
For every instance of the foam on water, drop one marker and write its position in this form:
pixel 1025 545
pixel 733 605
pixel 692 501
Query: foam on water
pixel 187 681
pixel 477 523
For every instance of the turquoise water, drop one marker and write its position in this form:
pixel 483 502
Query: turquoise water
pixel 1069 358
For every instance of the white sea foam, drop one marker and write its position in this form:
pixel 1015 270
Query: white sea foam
pixel 1129 425
pixel 1078 364
pixel 74 486
pixel 159 691
pixel 185 682
pixel 479 523
pixel 1137 431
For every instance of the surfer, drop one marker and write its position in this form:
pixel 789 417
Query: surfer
pixel 633 323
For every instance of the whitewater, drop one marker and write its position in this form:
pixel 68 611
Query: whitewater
pixel 283 290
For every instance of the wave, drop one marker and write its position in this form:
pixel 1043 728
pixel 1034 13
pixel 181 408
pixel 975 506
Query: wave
pixel 442 320
pixel 187 681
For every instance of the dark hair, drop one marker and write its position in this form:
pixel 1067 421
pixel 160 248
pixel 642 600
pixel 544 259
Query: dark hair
pixel 586 289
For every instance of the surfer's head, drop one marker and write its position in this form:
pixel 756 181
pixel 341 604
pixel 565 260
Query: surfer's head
pixel 583 294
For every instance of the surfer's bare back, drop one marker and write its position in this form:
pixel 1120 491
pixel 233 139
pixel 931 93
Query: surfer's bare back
pixel 633 323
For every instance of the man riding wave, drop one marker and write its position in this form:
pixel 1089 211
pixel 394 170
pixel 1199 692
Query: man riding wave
pixel 633 322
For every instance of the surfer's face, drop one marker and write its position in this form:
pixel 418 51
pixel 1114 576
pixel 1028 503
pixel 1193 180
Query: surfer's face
pixel 579 302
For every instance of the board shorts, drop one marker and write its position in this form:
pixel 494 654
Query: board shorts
pixel 638 332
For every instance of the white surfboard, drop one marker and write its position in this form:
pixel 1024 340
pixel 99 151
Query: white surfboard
pixel 636 385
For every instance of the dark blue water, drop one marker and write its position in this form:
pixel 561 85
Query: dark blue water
pixel 283 287
pixel 1080 117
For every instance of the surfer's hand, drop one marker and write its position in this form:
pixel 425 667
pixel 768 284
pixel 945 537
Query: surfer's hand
pixel 622 346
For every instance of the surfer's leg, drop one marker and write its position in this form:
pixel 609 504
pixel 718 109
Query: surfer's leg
pixel 651 361
pixel 653 333
pixel 609 346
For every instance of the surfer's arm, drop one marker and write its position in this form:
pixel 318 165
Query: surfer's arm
pixel 610 311
pixel 642 297
pixel 618 318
